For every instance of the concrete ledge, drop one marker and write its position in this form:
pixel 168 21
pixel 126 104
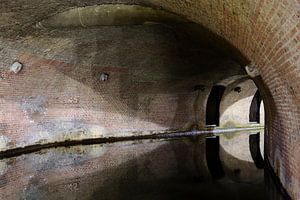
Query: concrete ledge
pixel 145 135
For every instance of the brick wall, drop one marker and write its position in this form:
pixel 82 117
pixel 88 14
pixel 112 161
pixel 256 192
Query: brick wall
pixel 58 94
pixel 267 33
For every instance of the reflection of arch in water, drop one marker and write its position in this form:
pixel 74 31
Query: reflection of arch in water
pixel 254 144
pixel 213 105
pixel 213 157
pixel 236 158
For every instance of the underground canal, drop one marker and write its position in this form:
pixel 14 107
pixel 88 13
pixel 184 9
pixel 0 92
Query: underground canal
pixel 122 101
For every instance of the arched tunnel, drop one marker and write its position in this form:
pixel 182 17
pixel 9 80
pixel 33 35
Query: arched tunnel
pixel 148 99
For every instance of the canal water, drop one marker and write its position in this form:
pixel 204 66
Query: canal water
pixel 226 166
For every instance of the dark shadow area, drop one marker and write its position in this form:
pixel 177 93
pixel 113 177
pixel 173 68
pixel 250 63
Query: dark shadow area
pixel 184 185
pixel 213 105
pixel 254 144
pixel 274 188
pixel 254 114
pixel 213 157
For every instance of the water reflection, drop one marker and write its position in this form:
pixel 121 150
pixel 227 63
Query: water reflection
pixel 148 169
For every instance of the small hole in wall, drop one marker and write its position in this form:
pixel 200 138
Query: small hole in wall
pixel 238 89
pixel 104 77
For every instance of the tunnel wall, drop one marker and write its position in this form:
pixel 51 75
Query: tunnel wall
pixel 236 103
pixel 58 94
pixel 267 33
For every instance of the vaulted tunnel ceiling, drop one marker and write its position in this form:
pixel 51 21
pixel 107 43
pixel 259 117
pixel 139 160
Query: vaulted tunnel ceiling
pixel 265 32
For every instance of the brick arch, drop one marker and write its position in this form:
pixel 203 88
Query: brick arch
pixel 267 33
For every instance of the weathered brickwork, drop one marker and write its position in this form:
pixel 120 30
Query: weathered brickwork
pixel 58 95
pixel 265 31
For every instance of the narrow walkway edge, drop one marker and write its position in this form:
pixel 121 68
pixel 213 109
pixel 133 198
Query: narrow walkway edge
pixel 159 135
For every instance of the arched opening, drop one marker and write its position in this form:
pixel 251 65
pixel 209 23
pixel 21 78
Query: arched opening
pixel 237 105
pixel 213 105
pixel 254 115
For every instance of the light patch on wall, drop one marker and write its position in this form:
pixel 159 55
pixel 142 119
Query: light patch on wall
pixel 57 131
pixel 32 106
pixel 3 142
pixel 237 114
pixel 3 167
pixel 262 113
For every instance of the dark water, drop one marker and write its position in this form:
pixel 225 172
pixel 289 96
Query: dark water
pixel 214 168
